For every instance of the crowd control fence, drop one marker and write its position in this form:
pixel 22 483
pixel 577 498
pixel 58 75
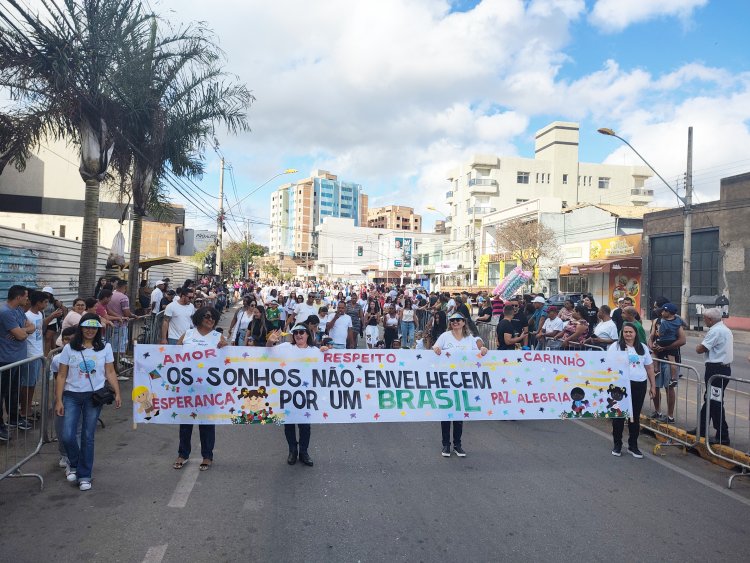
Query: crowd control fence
pixel 141 330
pixel 728 400
pixel 21 437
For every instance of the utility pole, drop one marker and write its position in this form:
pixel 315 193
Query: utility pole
pixel 220 228
pixel 687 243
pixel 247 248
pixel 473 241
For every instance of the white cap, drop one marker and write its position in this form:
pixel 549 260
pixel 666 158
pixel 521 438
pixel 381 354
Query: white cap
pixel 538 299
pixel 48 289
pixel 160 282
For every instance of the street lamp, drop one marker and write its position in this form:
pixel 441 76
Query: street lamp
pixel 287 171
pixel 687 203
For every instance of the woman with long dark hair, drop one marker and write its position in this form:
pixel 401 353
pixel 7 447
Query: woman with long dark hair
pixel 592 313
pixel 257 330
pixel 99 286
pixel 390 325
pixel 302 338
pixel 641 370
pixel 372 320
pixel 85 363
pixel 204 335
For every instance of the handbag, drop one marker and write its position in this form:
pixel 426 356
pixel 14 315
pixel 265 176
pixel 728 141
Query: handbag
pixel 103 396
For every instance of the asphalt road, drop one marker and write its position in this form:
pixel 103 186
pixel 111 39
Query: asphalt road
pixel 547 490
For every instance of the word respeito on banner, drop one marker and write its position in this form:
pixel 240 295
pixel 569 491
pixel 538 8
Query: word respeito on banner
pixel 285 384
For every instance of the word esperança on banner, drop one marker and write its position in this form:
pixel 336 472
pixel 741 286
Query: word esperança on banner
pixel 285 384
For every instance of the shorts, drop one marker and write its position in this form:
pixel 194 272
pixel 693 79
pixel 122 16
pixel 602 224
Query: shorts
pixel 371 334
pixel 119 341
pixel 664 371
pixel 30 373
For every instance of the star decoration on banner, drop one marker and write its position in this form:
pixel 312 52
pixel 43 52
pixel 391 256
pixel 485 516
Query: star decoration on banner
pixel 368 396
pixel 231 410
pixel 381 366
pixel 160 366
pixel 527 370
pixel 477 398
pixel 453 366
pixel 504 380
pixel 528 383
pixel 601 360
pixel 325 415
pixel 234 389
pixel 518 380
pixel 199 380
pixel 305 383
pixel 359 367
pixel 376 416
pixel 588 382
pixel 479 355
pixel 505 413
pixel 191 390
pixel 162 349
pixel 282 364
pixel 287 412
pixel 514 392
pixel 565 379
pixel 522 411
pixel 450 415
pixel 245 355
pixel 353 415
pixel 541 409
pixel 554 370
pixel 401 364
pixel 463 359
pixel 174 415
pixel 601 390
pixel 541 380
pixel 519 360
pixel 146 355
pixel 359 380
pixel 419 356
pixel 505 360
pixel 448 354
pixel 201 365
pixel 307 415
pixel 596 395
pixel 403 413
pixel 619 372
pixel 194 415
pixel 551 410
pixel 489 413
pixel 466 415
pixel 341 366
pixel 227 361
pixel 609 370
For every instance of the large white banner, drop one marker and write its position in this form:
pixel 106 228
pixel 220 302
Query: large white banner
pixel 283 384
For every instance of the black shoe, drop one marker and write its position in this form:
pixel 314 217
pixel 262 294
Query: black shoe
pixel 715 440
pixel 617 451
pixel 305 458
pixel 21 423
pixel 4 437
pixel 446 451
pixel 459 451
pixel 292 459
pixel 635 452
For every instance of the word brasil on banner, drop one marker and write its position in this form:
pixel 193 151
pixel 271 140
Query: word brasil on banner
pixel 284 384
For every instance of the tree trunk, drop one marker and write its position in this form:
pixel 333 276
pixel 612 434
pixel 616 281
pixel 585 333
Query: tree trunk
pixel 89 239
pixel 135 259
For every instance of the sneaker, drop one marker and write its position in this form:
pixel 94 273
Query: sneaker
pixel 84 485
pixel 673 383
pixel 446 451
pixel 70 475
pixel 122 378
pixel 635 452
pixel 459 451
pixel 655 414
pixel 667 419
pixel 617 451
pixel 21 423
pixel 63 462
pixel 4 437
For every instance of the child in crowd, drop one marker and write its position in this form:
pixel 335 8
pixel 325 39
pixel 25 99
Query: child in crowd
pixel 419 341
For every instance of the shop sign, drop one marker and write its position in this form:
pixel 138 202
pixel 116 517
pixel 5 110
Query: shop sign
pixel 615 247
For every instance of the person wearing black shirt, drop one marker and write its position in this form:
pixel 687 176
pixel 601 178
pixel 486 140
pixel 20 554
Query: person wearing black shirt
pixel 617 313
pixel 485 313
pixel 592 313
pixel 507 335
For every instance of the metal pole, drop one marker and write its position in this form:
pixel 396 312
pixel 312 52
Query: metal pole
pixel 220 229
pixel 473 240
pixel 687 244
pixel 247 248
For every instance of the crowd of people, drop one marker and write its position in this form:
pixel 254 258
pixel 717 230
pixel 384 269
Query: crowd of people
pixel 94 331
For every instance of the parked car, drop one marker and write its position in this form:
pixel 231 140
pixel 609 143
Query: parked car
pixel 559 299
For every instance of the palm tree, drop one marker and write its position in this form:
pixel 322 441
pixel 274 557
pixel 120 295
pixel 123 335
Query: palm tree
pixel 176 93
pixel 58 66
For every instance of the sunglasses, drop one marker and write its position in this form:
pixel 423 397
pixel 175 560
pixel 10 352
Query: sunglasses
pixel 456 320
pixel 209 316
pixel 298 332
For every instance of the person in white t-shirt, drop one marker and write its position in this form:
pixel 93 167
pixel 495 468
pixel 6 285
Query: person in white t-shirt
pixel 605 332
pixel 553 325
pixel 303 310
pixel 34 347
pixel 177 318
pixel 157 294
pixel 340 328
pixel 457 338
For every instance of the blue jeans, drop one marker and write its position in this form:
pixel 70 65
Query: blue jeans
pixel 79 406
pixel 172 341
pixel 207 433
pixel 59 424
pixel 407 334
pixel 337 346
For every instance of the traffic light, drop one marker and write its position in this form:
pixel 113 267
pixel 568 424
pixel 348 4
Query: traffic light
pixel 360 251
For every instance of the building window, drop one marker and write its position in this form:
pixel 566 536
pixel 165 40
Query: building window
pixel 62 231
pixel 520 201
pixel 537 177
pixel 522 177
pixel 603 183
pixel 565 178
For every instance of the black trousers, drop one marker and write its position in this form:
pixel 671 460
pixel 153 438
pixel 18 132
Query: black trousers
pixel 638 391
pixel 207 433
pixel 291 436
pixel 458 430
pixel 390 333
pixel 10 380
pixel 716 406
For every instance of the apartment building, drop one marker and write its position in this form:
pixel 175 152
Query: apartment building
pixel 398 217
pixel 297 208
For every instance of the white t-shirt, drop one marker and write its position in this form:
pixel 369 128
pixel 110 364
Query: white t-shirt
pixel 340 331
pixel 606 329
pixel 303 310
pixel 179 318
pixel 156 296
pixel 551 325
pixel 451 305
pixel 243 321
pixel 637 363
pixel 362 304
pixel 447 341
pixel 195 338
pixel 35 342
pixel 80 372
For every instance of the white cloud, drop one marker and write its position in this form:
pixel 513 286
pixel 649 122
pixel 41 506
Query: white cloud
pixel 616 15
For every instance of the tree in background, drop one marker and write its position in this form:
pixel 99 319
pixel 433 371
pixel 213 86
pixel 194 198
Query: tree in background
pixel 237 254
pixel 528 242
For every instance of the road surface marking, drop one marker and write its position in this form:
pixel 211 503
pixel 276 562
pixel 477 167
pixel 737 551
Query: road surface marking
pixel 185 486
pixel 253 505
pixel 155 554
pixel 681 471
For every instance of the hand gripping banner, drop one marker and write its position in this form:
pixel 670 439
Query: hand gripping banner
pixel 284 384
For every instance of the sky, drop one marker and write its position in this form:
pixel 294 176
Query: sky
pixel 393 94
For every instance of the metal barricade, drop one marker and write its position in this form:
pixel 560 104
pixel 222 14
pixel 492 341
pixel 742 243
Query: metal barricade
pixel 22 437
pixel 687 402
pixel 488 334
pixel 729 407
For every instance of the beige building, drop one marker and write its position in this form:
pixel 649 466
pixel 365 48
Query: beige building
pixel 396 217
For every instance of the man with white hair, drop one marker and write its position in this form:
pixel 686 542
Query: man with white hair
pixel 718 349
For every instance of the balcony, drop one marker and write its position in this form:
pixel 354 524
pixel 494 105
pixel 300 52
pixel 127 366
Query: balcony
pixel 480 210
pixel 482 182
pixel 482 186
pixel 642 192
pixel 641 196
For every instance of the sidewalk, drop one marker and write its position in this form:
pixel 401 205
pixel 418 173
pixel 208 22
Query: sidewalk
pixel 740 336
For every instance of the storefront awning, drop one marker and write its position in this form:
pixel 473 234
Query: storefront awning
pixel 601 267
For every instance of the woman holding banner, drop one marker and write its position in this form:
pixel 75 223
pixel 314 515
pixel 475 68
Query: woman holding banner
pixel 456 338
pixel 204 335
pixel 641 370
pixel 302 338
